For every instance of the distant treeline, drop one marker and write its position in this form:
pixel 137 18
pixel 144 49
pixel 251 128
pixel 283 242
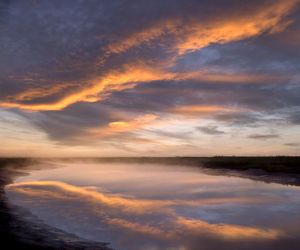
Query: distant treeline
pixel 285 164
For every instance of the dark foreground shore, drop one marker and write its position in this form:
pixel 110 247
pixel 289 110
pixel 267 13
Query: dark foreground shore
pixel 16 233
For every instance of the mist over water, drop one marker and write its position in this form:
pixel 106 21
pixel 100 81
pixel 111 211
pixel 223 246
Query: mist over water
pixel 148 206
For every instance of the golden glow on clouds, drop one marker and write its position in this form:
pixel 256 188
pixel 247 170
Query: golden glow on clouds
pixel 115 81
pixel 33 93
pixel 268 19
pixel 55 191
pixel 187 36
pixel 120 125
pixel 123 126
pixel 193 34
pixel 229 78
pixel 203 111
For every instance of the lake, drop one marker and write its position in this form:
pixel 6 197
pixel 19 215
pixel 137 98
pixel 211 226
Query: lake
pixel 152 206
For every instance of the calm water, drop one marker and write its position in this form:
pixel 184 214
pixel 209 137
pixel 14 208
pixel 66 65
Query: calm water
pixel 144 206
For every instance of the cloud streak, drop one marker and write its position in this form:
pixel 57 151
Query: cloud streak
pixel 186 34
pixel 71 68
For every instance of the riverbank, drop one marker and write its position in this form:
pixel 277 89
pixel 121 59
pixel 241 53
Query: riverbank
pixel 17 233
pixel 277 169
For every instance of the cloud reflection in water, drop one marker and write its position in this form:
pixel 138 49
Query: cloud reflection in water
pixel 208 210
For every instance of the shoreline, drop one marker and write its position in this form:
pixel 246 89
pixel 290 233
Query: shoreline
pixel 16 232
pixel 278 169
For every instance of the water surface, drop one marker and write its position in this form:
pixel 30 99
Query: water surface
pixel 146 206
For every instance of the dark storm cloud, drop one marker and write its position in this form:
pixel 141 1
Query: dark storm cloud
pixel 75 61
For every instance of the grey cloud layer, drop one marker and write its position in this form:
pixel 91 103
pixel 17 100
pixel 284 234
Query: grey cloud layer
pixel 55 48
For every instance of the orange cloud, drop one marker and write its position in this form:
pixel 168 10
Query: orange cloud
pixel 41 92
pixel 187 35
pixel 99 89
pixel 114 81
pixel 123 126
pixel 202 111
pixel 206 76
pixel 194 34
pixel 234 29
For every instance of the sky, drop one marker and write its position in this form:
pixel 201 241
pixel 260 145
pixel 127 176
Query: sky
pixel 149 78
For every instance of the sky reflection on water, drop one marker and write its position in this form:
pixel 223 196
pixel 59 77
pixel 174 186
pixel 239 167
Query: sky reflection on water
pixel 144 206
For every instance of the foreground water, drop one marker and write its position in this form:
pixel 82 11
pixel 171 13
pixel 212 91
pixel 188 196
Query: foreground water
pixel 145 206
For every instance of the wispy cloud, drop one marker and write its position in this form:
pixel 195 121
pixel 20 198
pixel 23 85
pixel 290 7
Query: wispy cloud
pixel 263 136
pixel 292 144
pixel 211 130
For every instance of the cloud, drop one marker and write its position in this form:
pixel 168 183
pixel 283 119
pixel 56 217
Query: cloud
pixel 211 130
pixel 117 127
pixel 292 144
pixel 85 75
pixel 263 136
pixel 71 67
pixel 202 111
pixel 191 34
pixel 294 117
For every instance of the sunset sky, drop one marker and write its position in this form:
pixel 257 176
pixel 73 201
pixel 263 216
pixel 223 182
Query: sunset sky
pixel 149 78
